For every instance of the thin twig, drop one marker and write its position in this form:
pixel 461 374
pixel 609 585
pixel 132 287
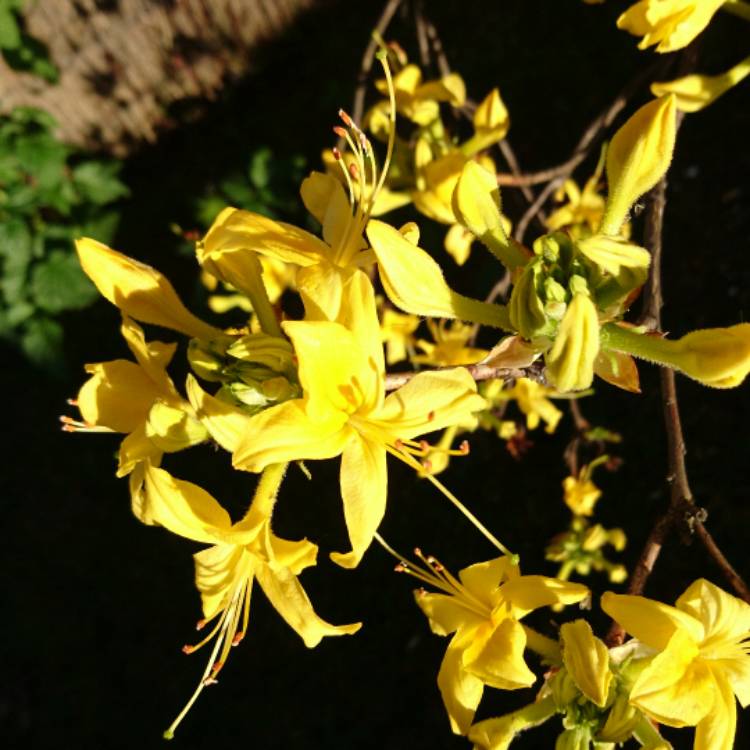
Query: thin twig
pixel 511 160
pixel 535 209
pixel 422 37
pixel 730 574
pixel 368 58
pixel 437 48
pixel 478 372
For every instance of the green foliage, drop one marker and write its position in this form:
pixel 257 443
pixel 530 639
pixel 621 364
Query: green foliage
pixel 21 51
pixel 268 186
pixel 49 195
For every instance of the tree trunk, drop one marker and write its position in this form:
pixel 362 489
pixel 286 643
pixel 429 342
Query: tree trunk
pixel 124 63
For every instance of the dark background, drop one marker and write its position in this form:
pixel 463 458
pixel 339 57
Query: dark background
pixel 96 606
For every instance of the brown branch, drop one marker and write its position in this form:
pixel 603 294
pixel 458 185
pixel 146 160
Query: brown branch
pixel 423 39
pixel 368 58
pixel 437 48
pixel 730 574
pixel 478 372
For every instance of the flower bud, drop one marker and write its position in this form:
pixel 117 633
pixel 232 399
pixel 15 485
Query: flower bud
pixel 526 307
pixel 612 253
pixel 172 429
pixel 587 660
pixel 570 361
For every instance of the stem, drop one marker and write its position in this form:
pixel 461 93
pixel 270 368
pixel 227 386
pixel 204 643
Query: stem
pixel 256 291
pixel 479 372
pixel 267 490
pixel 737 8
pixel 547 648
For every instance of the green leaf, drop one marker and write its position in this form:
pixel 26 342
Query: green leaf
pixel 58 283
pixel 260 167
pixel 97 182
pixel 18 313
pixel 15 239
pixel 10 34
pixel 42 341
pixel 43 158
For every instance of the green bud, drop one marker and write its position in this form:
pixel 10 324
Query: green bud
pixel 526 308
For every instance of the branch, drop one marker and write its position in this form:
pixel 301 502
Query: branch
pixel 478 372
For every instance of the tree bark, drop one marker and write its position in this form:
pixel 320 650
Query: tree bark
pixel 124 63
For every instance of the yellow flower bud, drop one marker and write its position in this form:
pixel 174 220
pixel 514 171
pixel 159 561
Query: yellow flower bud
pixel 526 308
pixel 491 123
pixel 638 157
pixel 621 721
pixel 570 361
pixel 587 660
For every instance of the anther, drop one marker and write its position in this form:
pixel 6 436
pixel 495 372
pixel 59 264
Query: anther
pixel 400 568
pixel 340 132
pixel 398 444
pixel 188 649
pixel 210 681
pixel 346 119
pixel 464 447
pixel 424 446
pixel 430 416
pixel 237 638
pixel 72 401
pixel 336 153
pixel 427 465
pixel 354 172
pixel 200 624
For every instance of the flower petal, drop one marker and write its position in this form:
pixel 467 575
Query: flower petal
pixel 725 618
pixel 498 661
pixel 364 488
pixel 717 729
pixel 286 433
pixel 676 688
pixel 461 690
pixel 185 508
pixel 237 231
pixel 218 571
pixel 289 599
pixel 138 290
pixel 482 579
pixel 527 593
pixel 651 622
pixel 445 613
pixel 431 401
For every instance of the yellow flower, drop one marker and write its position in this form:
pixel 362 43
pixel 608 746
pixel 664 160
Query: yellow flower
pixel 669 24
pixel 695 92
pixel 345 412
pixel 417 101
pixel 586 658
pixel 242 552
pixel 396 332
pixel 450 348
pixel 483 608
pixel 702 659
pixel 581 494
pixel 532 399
pixel 139 399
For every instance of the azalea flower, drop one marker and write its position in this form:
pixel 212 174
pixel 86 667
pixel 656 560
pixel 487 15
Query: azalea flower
pixel 702 660
pixel 451 346
pixel 344 412
pixel 138 399
pixel 242 553
pixel 397 333
pixel 482 608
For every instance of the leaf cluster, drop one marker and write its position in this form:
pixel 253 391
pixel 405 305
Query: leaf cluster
pixel 21 51
pixel 49 194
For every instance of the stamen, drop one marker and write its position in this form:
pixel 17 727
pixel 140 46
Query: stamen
pixel 354 172
pixel 346 119
pixel 340 132
pixel 336 153
pixel 74 425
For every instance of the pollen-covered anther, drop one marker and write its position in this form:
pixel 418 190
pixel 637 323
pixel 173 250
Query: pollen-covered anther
pixel 238 638
pixel 201 624
pixel 401 567
pixel 430 416
pixel 354 172
pixel 464 447
pixel 210 681
pixel 72 401
pixel 336 153
pixel 340 132
pixel 346 119
pixel 74 425
pixel 188 649
pixel 426 464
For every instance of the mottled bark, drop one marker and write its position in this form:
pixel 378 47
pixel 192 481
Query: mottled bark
pixel 124 63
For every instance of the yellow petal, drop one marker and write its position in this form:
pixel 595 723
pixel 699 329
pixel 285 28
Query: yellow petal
pixel 295 555
pixel 285 433
pixel 695 92
pixel 482 579
pixel 431 401
pixel 725 618
pixel 289 599
pixel 676 688
pixel 613 253
pixel 460 689
pixel 173 428
pixel 218 572
pixel 364 488
pixel 134 450
pixel 237 232
pixel 651 622
pixel 152 356
pixel 225 423
pixel 639 155
pixel 118 395
pixel 445 613
pixel 138 290
pixel 491 123
pixel 498 661
pixel 334 371
pixel 185 508
pixel 527 593
pixel 618 369
pixel 717 729
pixel 458 242
pixel 587 660
pixel 414 282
